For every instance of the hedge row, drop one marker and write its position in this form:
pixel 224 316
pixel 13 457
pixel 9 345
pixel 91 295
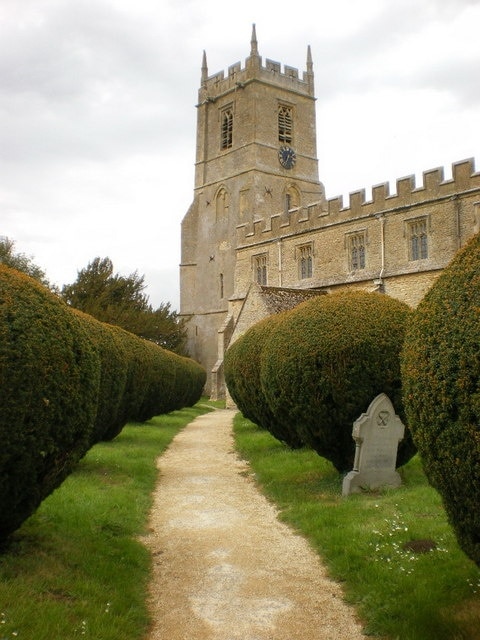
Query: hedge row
pixel 441 376
pixel 68 381
pixel 307 374
pixel 242 366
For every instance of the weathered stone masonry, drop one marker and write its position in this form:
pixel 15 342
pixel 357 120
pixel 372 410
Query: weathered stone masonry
pixel 257 224
pixel 449 208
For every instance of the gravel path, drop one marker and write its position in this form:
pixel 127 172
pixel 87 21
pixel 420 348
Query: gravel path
pixel 225 568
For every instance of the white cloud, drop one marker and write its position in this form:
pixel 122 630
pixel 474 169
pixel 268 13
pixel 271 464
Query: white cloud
pixel 97 111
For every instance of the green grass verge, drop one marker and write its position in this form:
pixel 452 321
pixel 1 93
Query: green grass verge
pixel 76 568
pixel 398 593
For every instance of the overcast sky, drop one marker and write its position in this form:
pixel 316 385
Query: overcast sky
pixel 97 111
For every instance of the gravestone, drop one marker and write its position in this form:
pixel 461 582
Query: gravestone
pixel 377 434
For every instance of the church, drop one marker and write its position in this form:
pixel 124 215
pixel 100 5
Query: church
pixel 260 235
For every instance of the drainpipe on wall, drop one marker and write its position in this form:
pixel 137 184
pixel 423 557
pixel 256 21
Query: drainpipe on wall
pixel 456 204
pixel 379 282
pixel 280 264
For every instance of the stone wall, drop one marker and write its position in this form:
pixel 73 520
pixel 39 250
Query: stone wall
pixel 450 209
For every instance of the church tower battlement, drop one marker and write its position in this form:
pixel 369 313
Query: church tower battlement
pixel 217 84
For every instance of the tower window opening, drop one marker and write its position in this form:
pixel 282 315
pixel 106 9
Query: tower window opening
pixel 260 269
pixel 221 285
pixel 227 128
pixel 418 239
pixel 357 251
pixel 305 261
pixel 285 123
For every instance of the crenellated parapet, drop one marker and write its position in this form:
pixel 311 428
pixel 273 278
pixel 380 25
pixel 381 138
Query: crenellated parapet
pixel 236 77
pixel 434 188
pixel 296 220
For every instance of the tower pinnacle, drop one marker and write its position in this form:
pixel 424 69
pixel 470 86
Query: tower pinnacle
pixel 204 70
pixel 309 60
pixel 253 42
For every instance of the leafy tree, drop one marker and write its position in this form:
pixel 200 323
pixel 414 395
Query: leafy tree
pixel 107 296
pixel 20 261
pixel 164 327
pixel 120 300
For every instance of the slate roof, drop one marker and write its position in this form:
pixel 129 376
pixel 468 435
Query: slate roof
pixel 279 299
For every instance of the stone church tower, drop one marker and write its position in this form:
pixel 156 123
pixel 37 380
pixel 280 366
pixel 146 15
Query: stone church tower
pixel 255 156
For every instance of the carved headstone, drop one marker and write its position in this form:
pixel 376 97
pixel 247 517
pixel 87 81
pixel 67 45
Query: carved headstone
pixel 377 434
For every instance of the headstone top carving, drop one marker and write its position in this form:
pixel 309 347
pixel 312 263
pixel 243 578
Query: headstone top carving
pixel 377 434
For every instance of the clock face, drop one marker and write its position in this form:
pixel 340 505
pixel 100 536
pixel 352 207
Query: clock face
pixel 287 157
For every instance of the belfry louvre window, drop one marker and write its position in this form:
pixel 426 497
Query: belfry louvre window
pixel 418 239
pixel 260 268
pixel 227 128
pixel 285 124
pixel 356 250
pixel 305 261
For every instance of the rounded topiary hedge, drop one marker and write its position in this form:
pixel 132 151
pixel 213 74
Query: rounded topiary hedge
pixel 158 378
pixel 157 381
pixel 49 381
pixel 324 363
pixel 164 390
pixel 68 381
pixel 137 376
pixel 190 378
pixel 110 346
pixel 441 378
pixel 138 379
pixel 242 377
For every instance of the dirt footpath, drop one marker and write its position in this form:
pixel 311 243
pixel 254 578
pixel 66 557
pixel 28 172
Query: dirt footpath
pixel 224 567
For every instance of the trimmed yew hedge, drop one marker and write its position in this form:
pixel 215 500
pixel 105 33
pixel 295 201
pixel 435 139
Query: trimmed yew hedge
pixel 190 381
pixel 157 381
pixel 327 360
pixel 68 381
pixel 242 377
pixel 110 346
pixel 154 376
pixel 441 377
pixel 49 382
pixel 313 370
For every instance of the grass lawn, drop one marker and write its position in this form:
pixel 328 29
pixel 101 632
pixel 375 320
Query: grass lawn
pixel 76 568
pixel 367 541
